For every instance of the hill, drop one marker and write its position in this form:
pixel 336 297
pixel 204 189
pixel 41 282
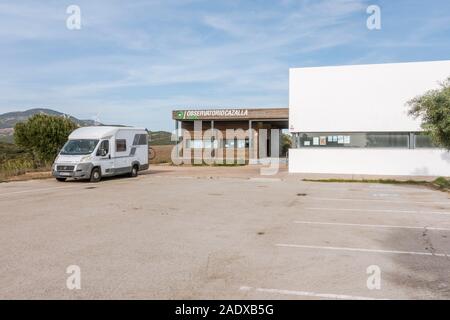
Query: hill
pixel 6 135
pixel 160 138
pixel 9 120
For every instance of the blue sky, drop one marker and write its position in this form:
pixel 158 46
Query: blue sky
pixel 133 62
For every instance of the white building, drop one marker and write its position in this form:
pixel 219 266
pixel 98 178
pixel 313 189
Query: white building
pixel 353 120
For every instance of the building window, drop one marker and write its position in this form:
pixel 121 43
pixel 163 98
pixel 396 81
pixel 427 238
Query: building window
pixel 208 144
pixel 354 140
pixel 421 140
pixel 236 143
pixel 200 144
pixel 229 143
pixel 194 144
pixel 121 145
pixel 241 144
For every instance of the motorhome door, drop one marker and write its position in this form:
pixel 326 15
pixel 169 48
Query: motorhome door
pixel 104 154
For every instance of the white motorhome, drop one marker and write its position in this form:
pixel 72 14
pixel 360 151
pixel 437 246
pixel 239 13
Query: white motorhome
pixel 95 152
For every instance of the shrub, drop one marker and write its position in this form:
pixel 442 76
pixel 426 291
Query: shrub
pixel 43 135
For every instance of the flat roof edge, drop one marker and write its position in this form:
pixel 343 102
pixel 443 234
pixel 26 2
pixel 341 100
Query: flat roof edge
pixel 372 64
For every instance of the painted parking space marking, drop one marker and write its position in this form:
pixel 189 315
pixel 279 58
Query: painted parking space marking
pixel 34 190
pixel 384 189
pixel 385 195
pixel 379 200
pixel 307 294
pixel 75 186
pixel 370 225
pixel 363 250
pixel 380 210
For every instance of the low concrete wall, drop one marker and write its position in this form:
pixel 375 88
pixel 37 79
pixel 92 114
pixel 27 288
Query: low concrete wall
pixel 409 162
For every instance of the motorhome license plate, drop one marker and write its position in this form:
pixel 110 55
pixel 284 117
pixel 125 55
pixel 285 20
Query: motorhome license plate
pixel 64 173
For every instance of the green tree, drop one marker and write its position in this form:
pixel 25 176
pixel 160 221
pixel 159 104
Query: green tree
pixel 43 135
pixel 434 109
pixel 286 143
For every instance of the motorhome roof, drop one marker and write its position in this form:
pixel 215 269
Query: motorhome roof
pixel 98 132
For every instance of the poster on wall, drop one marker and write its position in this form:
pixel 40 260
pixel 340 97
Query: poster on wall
pixel 347 140
pixel 341 139
pixel 323 141
pixel 316 141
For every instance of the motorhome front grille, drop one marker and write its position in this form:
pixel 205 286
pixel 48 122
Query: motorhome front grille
pixel 65 168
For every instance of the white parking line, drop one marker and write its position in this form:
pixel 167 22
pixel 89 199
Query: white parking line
pixel 370 225
pixel 364 250
pixel 76 186
pixel 379 210
pixel 307 294
pixel 384 188
pixel 264 180
pixel 33 190
pixel 378 200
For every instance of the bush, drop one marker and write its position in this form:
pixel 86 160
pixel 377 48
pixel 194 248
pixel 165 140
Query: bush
pixel 286 143
pixel 442 182
pixel 43 135
pixel 434 109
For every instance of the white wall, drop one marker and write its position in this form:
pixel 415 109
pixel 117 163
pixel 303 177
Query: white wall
pixel 363 98
pixel 359 98
pixel 416 162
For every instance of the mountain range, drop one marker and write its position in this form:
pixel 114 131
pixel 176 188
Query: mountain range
pixel 8 120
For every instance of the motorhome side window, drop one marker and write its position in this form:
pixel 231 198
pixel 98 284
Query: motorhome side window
pixel 121 145
pixel 103 150
pixel 140 140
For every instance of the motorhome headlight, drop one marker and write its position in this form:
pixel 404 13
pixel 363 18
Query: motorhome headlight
pixel 86 159
pixel 83 167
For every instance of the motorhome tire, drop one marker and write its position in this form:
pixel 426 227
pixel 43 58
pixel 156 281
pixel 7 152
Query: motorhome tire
pixel 134 171
pixel 96 175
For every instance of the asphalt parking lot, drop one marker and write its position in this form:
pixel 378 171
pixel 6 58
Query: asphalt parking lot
pixel 222 235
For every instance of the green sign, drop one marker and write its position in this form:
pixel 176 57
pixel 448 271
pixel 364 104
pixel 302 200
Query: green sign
pixel 219 113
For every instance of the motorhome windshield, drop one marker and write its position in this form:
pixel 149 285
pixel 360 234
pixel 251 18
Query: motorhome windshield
pixel 79 147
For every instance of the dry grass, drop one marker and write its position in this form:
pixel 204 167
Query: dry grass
pixel 15 167
pixel 24 173
pixel 162 154
pixel 29 176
